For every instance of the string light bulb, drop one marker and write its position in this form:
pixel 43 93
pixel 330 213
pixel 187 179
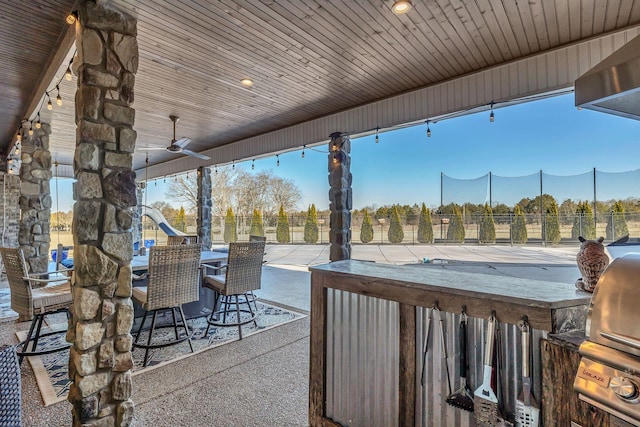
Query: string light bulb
pixel 19 137
pixel 428 129
pixel 377 138
pixel 67 74
pixel 49 104
pixel 335 158
pixel 303 147
pixel 38 123
pixel 492 117
pixel 278 160
pixel 58 98
pixel 30 129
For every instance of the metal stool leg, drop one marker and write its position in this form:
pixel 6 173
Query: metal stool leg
pixel 186 330
pixel 144 319
pixel 175 324
pixel 238 316
pixel 153 326
pixel 26 343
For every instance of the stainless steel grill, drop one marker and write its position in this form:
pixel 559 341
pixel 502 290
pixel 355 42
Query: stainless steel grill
pixel 609 373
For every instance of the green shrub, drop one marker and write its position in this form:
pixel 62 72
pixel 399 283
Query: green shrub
pixel 230 232
pixel 425 226
pixel 487 226
pixel 282 229
pixel 395 234
pixel 366 231
pixel 583 223
pixel 181 220
pixel 617 224
pixel 518 227
pixel 257 227
pixel 552 224
pixel 311 225
pixel 455 232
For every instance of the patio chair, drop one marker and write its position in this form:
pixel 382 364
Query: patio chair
pixel 10 388
pixel 173 280
pixel 33 296
pixel 243 274
pixel 178 240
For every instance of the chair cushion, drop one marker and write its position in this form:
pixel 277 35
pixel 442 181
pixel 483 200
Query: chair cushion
pixel 53 296
pixel 139 293
pixel 215 282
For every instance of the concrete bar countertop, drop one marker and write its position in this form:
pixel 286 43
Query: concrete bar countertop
pixel 549 306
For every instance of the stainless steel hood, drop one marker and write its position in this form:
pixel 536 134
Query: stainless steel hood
pixel 613 86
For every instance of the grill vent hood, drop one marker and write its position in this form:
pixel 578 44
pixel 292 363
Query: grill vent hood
pixel 613 86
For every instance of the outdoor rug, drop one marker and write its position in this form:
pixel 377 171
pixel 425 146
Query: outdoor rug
pixel 51 370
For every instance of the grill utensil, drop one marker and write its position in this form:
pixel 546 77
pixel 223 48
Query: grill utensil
pixel 443 347
pixel 426 343
pixel 485 401
pixel 462 398
pixel 527 411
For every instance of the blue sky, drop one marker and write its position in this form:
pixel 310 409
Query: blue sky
pixel 405 166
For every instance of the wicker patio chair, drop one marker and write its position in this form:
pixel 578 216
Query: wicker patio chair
pixel 178 240
pixel 243 275
pixel 33 296
pixel 173 279
pixel 10 388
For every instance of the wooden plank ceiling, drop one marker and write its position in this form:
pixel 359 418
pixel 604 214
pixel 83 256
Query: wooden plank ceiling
pixel 307 58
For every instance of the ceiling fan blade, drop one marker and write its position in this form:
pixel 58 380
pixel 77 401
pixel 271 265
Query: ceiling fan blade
pixel 194 154
pixel 182 142
pixel 152 148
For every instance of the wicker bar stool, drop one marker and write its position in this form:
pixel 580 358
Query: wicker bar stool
pixel 243 275
pixel 178 240
pixel 173 280
pixel 33 296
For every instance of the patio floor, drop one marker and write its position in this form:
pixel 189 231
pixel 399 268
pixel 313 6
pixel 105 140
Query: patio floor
pixel 262 380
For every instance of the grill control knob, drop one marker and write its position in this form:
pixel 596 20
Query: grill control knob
pixel 624 387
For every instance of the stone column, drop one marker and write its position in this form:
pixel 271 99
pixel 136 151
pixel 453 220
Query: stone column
pixel 340 197
pixel 204 207
pixel 35 198
pixel 137 215
pixel 100 359
pixel 10 210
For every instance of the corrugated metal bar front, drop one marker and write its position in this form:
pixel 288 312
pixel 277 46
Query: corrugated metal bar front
pixel 431 406
pixel 362 360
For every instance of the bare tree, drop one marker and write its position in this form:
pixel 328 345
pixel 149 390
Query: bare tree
pixel 184 189
pixel 222 191
pixel 285 193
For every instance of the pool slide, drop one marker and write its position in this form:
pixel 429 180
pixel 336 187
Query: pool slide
pixel 157 217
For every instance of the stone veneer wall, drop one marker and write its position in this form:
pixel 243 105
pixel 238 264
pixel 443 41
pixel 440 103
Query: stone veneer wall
pixel 204 207
pixel 340 199
pixel 35 198
pixel 100 359
pixel 9 211
pixel 137 215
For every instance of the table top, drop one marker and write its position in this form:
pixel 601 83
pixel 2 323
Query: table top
pixel 141 262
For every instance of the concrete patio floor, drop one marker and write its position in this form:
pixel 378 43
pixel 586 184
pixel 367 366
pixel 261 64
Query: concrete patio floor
pixel 263 379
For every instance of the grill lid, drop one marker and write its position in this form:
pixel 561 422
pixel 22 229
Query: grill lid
pixel 613 319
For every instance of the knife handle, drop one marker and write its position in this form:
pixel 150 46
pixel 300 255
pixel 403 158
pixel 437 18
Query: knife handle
pixel 463 349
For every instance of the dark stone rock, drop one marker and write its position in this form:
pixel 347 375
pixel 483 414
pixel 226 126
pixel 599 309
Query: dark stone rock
pixel 126 88
pixel 86 219
pixel 88 408
pixel 120 188
pixel 98 17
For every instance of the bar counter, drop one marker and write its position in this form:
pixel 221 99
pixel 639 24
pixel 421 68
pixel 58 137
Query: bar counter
pixel 368 339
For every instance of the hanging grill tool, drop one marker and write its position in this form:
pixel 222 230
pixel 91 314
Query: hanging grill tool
pixel 443 347
pixel 527 411
pixel 462 398
pixel 426 343
pixel 485 401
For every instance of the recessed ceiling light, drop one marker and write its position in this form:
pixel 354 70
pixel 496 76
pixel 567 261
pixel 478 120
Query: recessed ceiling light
pixel 247 82
pixel 401 6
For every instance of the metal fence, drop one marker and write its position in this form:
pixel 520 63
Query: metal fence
pixel 535 224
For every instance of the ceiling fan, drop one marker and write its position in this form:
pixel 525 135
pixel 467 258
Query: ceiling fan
pixel 177 145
